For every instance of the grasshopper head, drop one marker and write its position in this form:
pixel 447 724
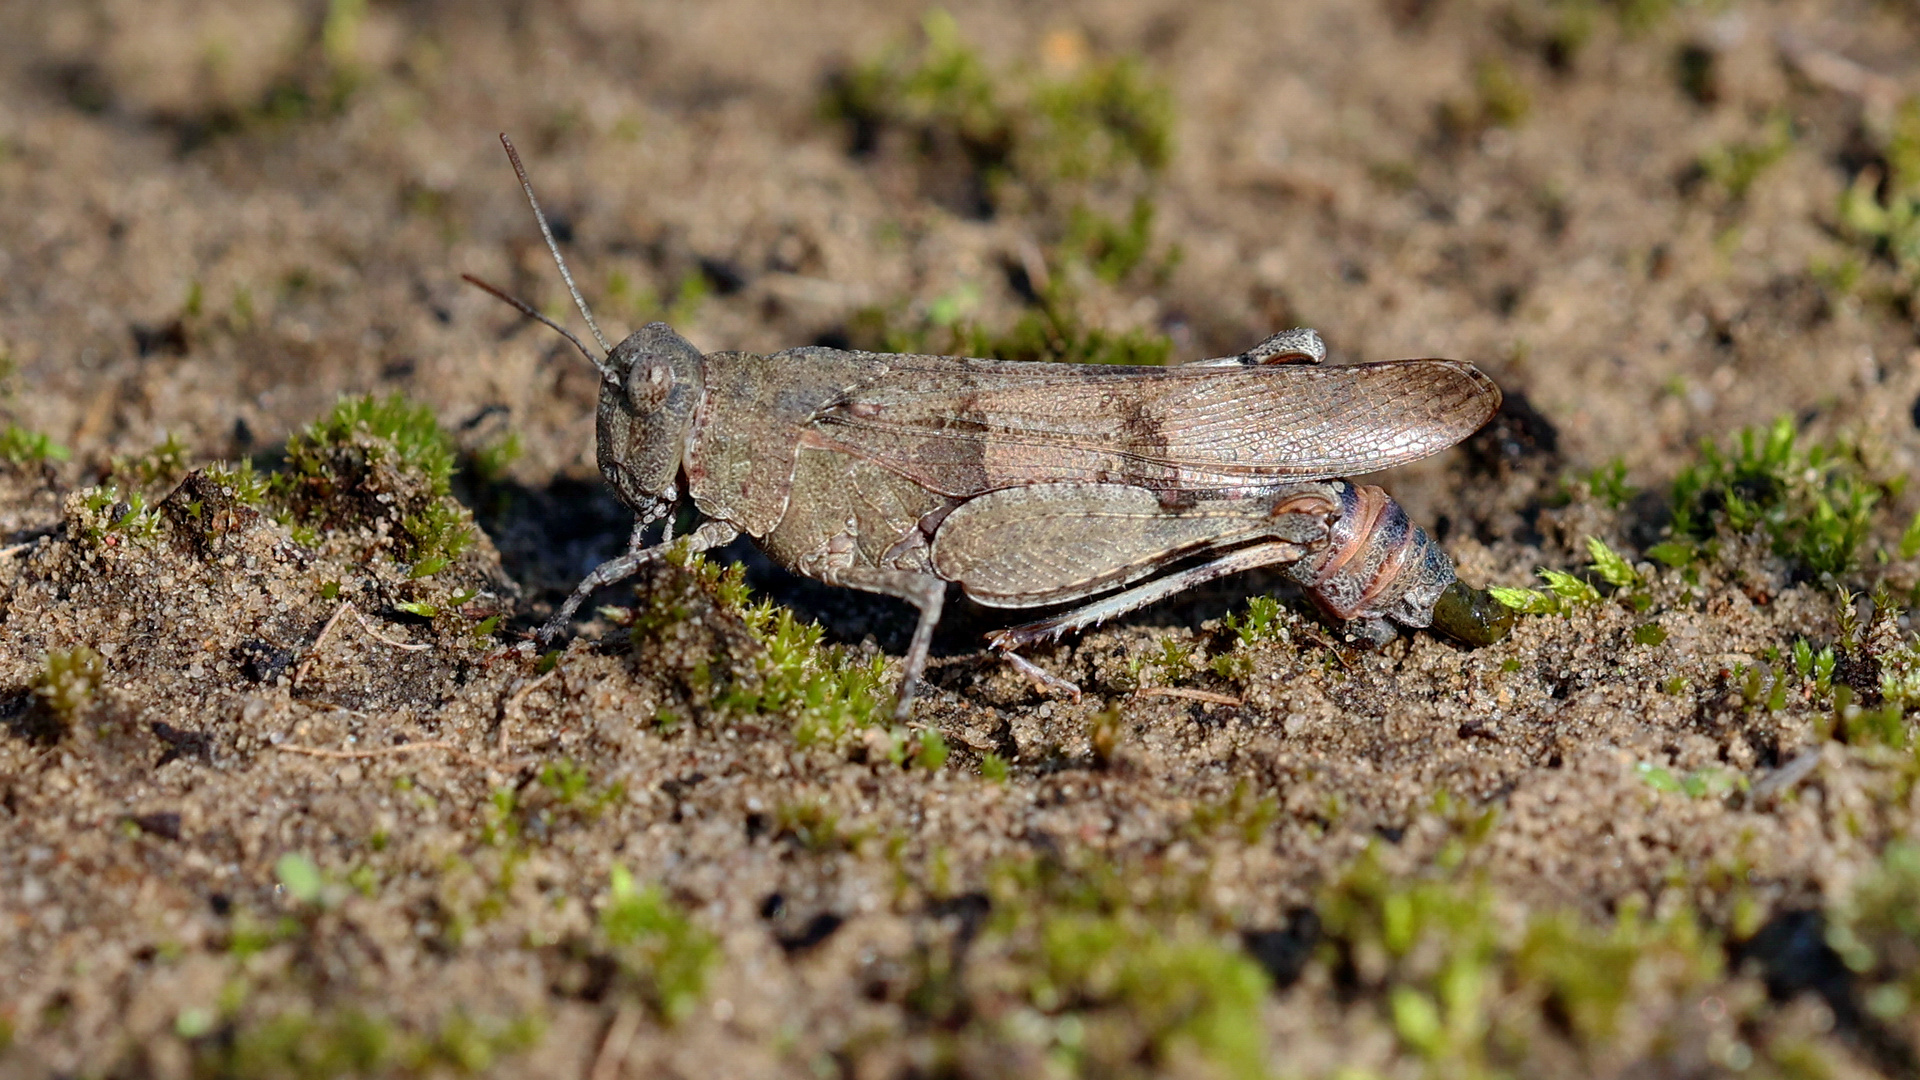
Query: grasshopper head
pixel 653 383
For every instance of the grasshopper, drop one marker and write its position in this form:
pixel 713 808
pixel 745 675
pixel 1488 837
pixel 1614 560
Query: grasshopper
pixel 1102 487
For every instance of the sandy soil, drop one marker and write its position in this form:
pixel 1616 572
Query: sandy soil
pixel 286 826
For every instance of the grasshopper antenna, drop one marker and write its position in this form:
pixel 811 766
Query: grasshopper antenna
pixel 527 309
pixel 527 186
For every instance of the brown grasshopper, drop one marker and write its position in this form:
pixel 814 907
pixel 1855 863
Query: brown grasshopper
pixel 1035 484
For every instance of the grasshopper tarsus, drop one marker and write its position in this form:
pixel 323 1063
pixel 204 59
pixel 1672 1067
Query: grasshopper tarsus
pixel 1097 487
pixel 1045 682
pixel 710 534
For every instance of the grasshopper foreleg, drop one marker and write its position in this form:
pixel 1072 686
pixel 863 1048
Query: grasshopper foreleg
pixel 709 535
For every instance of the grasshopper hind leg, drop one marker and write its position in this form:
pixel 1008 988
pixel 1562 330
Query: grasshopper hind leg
pixel 1006 641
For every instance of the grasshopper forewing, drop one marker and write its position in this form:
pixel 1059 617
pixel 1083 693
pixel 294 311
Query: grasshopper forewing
pixel 1033 484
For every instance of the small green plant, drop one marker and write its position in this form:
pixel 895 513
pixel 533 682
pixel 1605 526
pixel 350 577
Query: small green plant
pixel 1124 981
pixel 1880 210
pixel 1733 167
pixel 387 427
pixel 1053 331
pixel 1815 503
pixel 657 946
pixel 1564 593
pixel 1876 931
pixel 247 486
pixel 164 464
pixel 810 824
pixel 440 533
pixel 1240 814
pixel 491 461
pixel 994 767
pixel 105 512
pixel 19 446
pixel 1699 784
pixel 931 753
pixel 1174 660
pixel 1264 620
pixel 303 880
pixel 69 679
pixel 1104 120
pixel 826 694
pixel 1608 485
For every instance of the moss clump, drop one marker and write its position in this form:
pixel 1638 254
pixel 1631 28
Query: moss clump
pixel 1051 331
pixel 1099 119
pixel 1733 167
pixel 19 446
pixel 105 515
pixel 659 949
pixel 1876 932
pixel 826 693
pixel 163 464
pixel 1077 145
pixel 1073 964
pixel 1474 991
pixel 1814 503
pixel 307 1044
pixel 68 681
pixel 374 460
pixel 384 429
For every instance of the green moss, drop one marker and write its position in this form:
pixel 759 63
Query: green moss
pixel 1876 931
pixel 242 482
pixel 1104 119
pixel 1566 592
pixel 1118 983
pixel 1240 814
pixel 1608 485
pixel 825 693
pixel 334 476
pixel 19 446
pixel 1733 167
pixel 811 825
pixel 643 304
pixel 390 428
pixel 105 513
pixel 1814 503
pixel 1053 331
pixel 1503 98
pixel 995 768
pixel 1107 117
pixel 68 680
pixel 491 461
pixel 1473 993
pixel 164 464
pixel 440 534
pixel 320 1045
pixel 1113 250
pixel 657 946
pixel 931 753
pixel 301 877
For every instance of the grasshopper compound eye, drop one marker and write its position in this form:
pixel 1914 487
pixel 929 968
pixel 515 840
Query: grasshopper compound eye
pixel 648 384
